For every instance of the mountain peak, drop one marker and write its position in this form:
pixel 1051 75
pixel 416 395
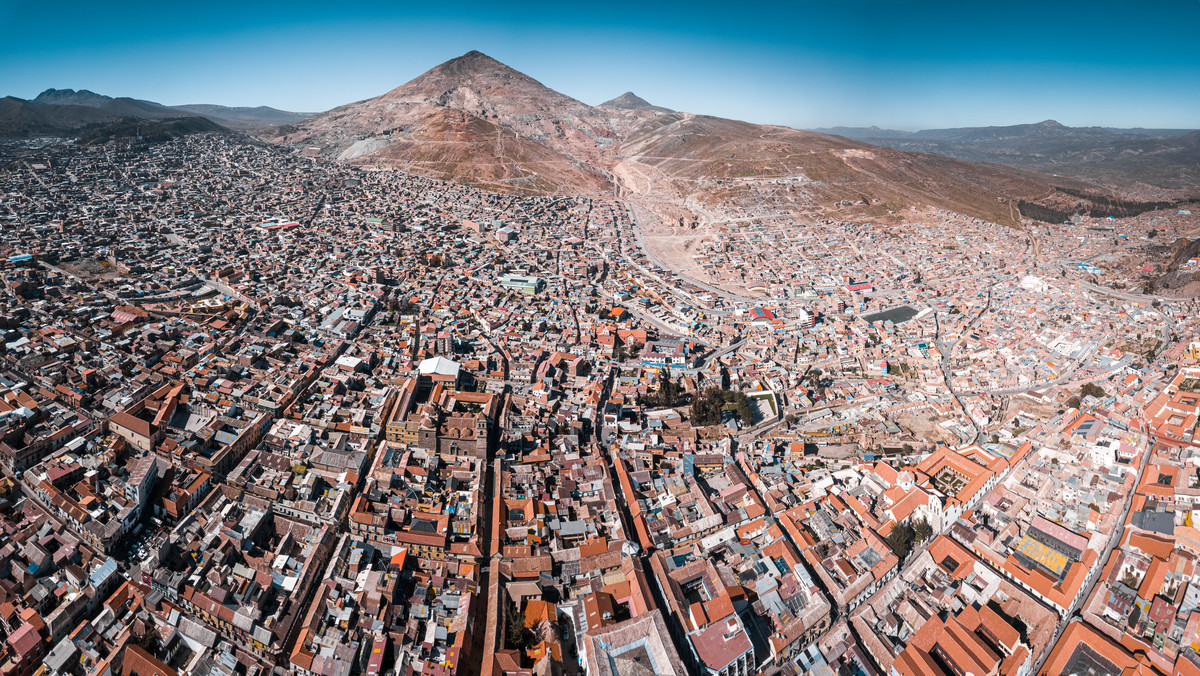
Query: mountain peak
pixel 631 101
pixel 473 63
pixel 1053 124
pixel 82 97
pixel 627 100
pixel 479 84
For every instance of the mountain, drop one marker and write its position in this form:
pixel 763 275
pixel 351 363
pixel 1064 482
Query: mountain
pixel 232 117
pixel 116 107
pixel 256 117
pixel 859 132
pixel 471 119
pixel 475 120
pixel 71 97
pixel 21 119
pixel 1165 158
pixel 25 119
pixel 686 177
pixel 829 173
pixel 631 101
pixel 94 118
pixel 148 131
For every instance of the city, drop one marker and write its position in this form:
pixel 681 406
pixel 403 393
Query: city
pixel 467 377
pixel 267 412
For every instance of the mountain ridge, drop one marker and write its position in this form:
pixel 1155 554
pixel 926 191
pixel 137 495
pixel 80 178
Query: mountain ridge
pixel 631 101
pixel 1165 158
pixel 254 117
pixel 474 119
pixel 490 124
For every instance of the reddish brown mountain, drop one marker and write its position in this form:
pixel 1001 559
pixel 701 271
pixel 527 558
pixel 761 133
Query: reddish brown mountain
pixel 475 120
pixel 471 119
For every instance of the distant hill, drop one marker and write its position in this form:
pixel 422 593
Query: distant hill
pixel 476 121
pixel 473 120
pixel 256 117
pixel 92 118
pixel 71 97
pixel 631 101
pixel 233 117
pixel 22 119
pixel 149 131
pixel 1168 158
pixel 861 132
pixel 117 107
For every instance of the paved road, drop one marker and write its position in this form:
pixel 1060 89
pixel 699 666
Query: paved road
pixel 748 435
pixel 641 244
pixel 946 351
pixel 1061 380
pixel 227 290
pixel 713 356
pixel 32 495
pixel 1101 562
pixel 1125 295
pixel 662 326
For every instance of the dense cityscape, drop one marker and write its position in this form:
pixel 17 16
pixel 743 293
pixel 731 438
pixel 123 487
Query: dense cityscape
pixel 263 413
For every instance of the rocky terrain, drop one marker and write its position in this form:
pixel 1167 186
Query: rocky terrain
pixel 477 121
pixel 88 115
pixel 631 101
pixel 22 119
pixel 229 117
pixel 687 177
pixel 1165 158
pixel 474 119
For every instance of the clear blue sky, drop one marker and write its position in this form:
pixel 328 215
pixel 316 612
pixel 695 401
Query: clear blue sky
pixel 900 64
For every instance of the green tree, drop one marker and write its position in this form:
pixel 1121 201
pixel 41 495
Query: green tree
pixel 668 387
pixel 900 540
pixel 706 408
pixel 668 393
pixel 741 405
pixel 149 642
pixel 922 531
pixel 516 636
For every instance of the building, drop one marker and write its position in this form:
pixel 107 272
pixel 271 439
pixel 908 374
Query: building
pixel 526 285
pixel 975 641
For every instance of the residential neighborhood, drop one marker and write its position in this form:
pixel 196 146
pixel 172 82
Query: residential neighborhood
pixel 265 414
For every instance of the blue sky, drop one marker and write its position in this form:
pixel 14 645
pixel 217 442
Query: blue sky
pixel 893 63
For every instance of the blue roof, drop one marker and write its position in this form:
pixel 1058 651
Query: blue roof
pixel 103 572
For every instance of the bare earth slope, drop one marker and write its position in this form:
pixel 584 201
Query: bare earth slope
pixel 469 149
pixel 721 153
pixel 246 117
pixel 20 118
pixel 631 101
pixel 473 119
pixel 1167 158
